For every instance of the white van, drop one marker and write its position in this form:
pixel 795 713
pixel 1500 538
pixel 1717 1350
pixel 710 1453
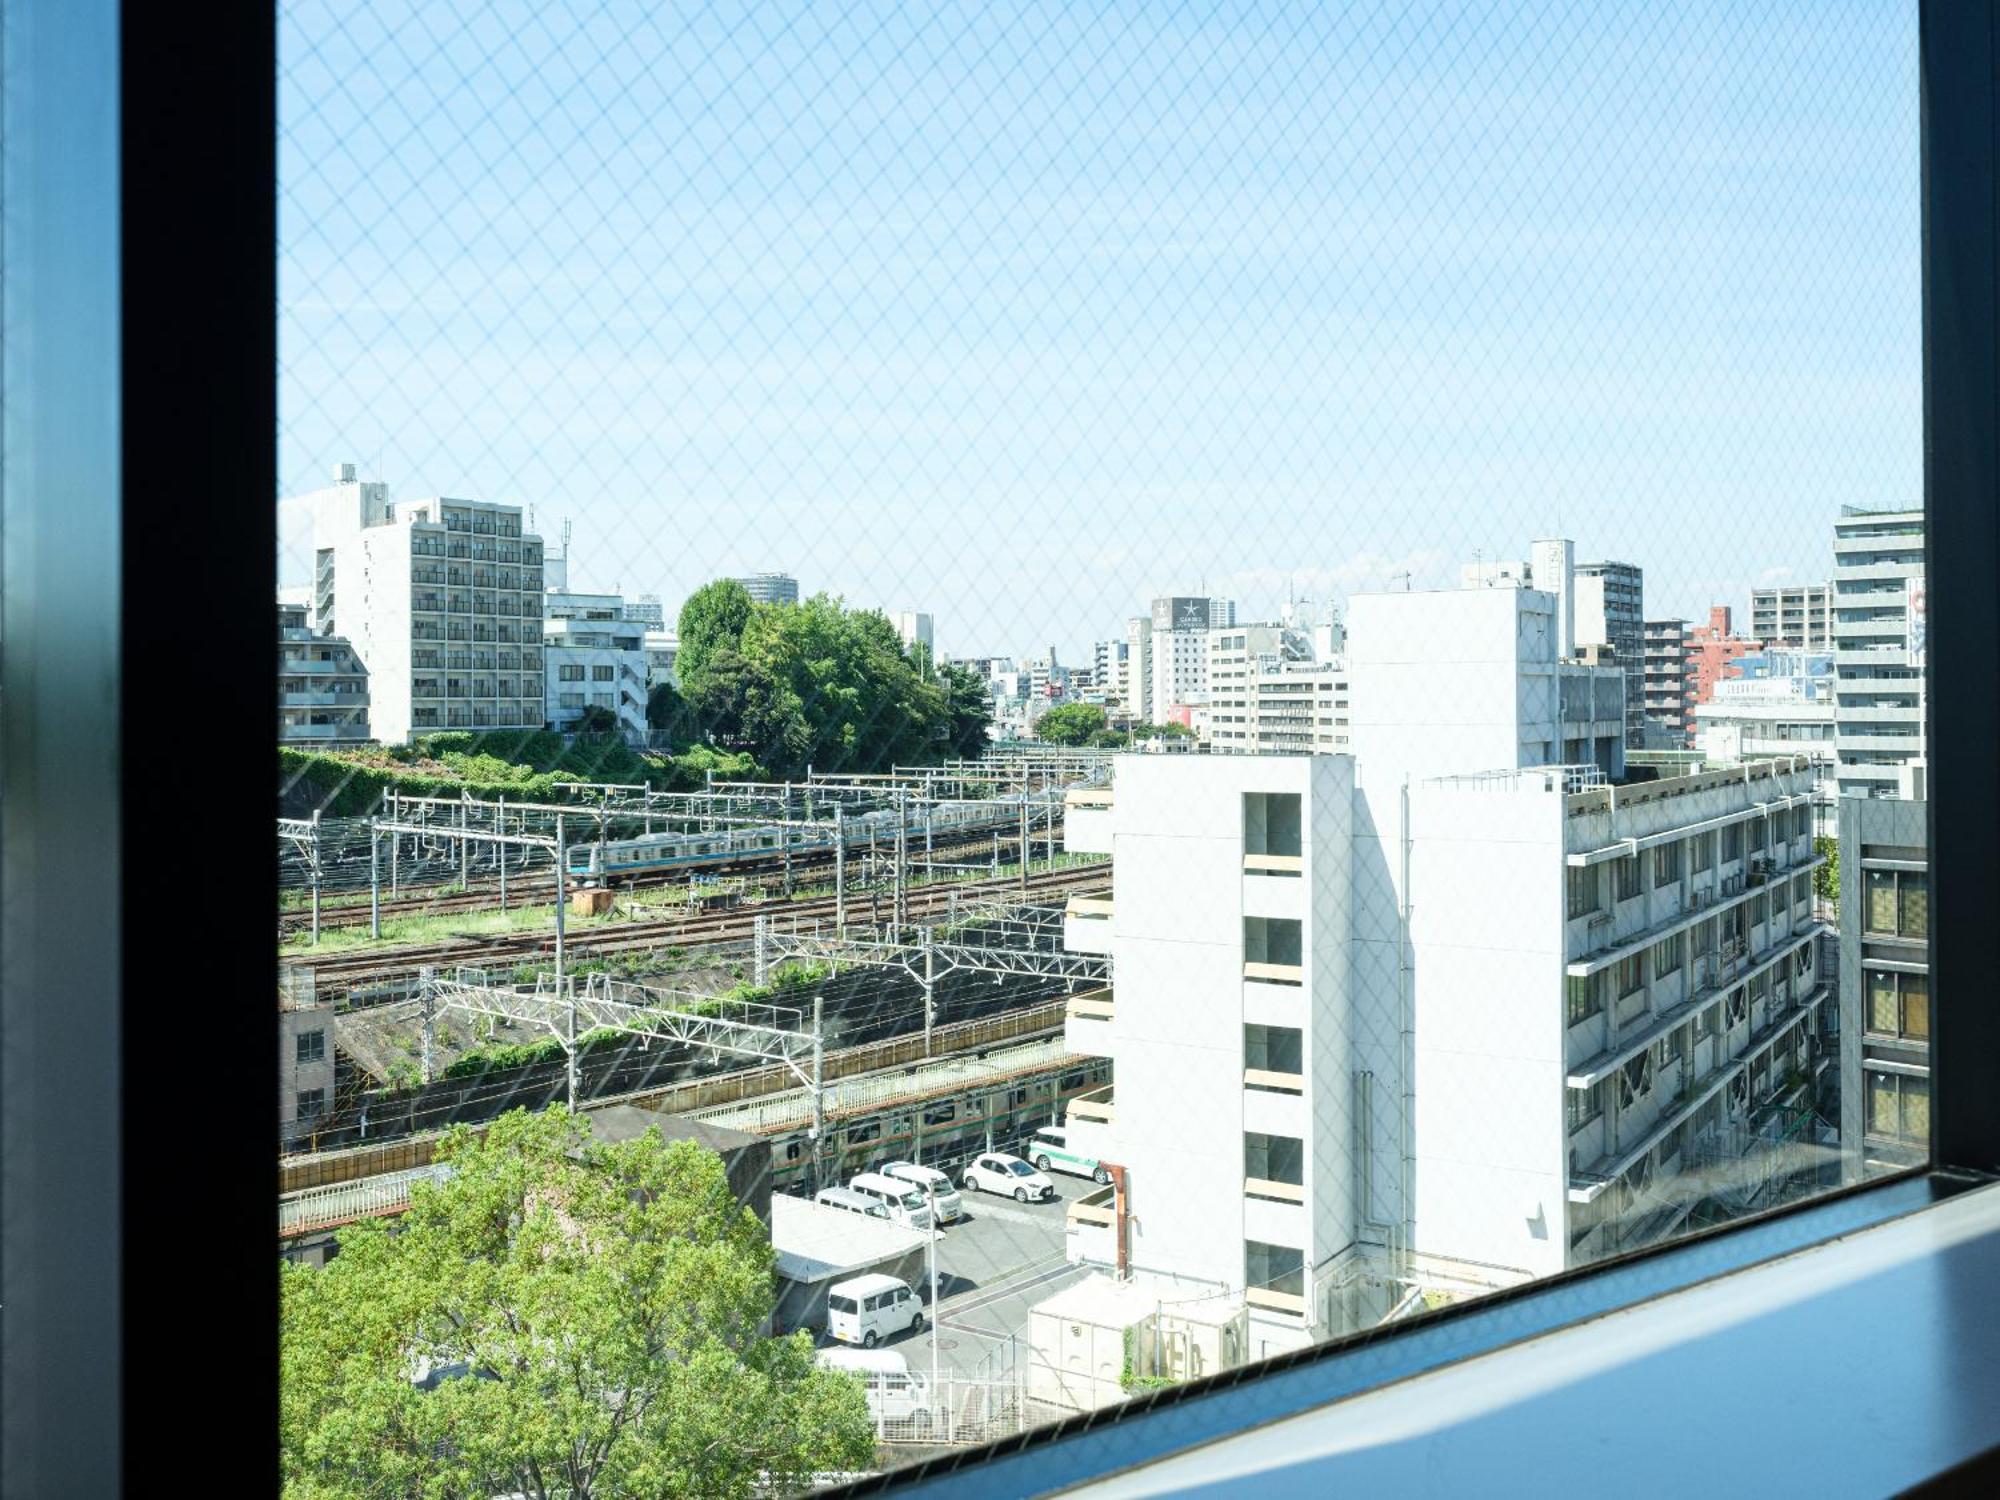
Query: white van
pixel 907 1203
pixel 854 1203
pixel 894 1394
pixel 943 1191
pixel 869 1309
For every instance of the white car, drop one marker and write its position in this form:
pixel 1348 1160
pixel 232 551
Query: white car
pixel 930 1180
pixel 1008 1176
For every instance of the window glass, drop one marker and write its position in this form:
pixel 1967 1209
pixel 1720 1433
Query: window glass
pixel 971 496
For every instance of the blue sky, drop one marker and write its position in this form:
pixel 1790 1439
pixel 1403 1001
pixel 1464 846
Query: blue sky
pixel 1020 315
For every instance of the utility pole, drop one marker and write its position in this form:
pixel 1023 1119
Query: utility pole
pixel 395 843
pixel 818 1095
pixel 930 992
pixel 937 1302
pixel 761 927
pixel 375 880
pixel 562 892
pixel 312 867
pixel 500 827
pixel 1027 849
pixel 427 988
pixel 464 844
pixel 901 915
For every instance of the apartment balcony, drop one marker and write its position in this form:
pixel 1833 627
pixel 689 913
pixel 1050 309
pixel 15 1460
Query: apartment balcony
pixel 1894 713
pixel 320 699
pixel 355 730
pixel 1095 1107
pixel 1087 820
pixel 1087 1024
pixel 1892 744
pixel 1266 1300
pixel 1270 1080
pixel 1087 924
pixel 1854 658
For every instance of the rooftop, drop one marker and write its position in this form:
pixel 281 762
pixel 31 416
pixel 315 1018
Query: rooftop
pixel 815 1243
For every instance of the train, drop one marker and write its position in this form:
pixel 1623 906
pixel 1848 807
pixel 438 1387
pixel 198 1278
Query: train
pixel 942 1132
pixel 593 863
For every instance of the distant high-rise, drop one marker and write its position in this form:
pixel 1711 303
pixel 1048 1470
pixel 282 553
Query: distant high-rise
pixel 1713 651
pixel 1611 611
pixel 913 628
pixel 772 588
pixel 441 600
pixel 1798 616
pixel 1878 647
pixel 1666 686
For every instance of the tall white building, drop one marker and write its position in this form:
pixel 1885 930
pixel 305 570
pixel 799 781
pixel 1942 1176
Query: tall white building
pixel 1610 611
pixel 914 629
pixel 1878 647
pixel 1432 1017
pixel 595 658
pixel 1178 651
pixel 442 601
pixel 1797 616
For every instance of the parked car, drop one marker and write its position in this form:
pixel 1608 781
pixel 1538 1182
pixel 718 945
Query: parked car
pixel 894 1394
pixel 1009 1176
pixel 869 1309
pixel 907 1203
pixel 1049 1150
pixel 943 1191
pixel 853 1202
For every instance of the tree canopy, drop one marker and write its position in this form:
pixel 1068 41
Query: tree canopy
pixel 712 618
pixel 1070 724
pixel 599 1307
pixel 818 685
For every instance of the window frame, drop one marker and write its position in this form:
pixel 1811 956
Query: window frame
pixel 192 141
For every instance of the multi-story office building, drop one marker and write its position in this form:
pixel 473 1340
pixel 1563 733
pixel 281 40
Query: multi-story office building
pixel 1666 690
pixel 1775 713
pixel 1885 987
pixel 1178 652
pixel 595 657
pixel 1878 647
pixel 1713 651
pixel 1611 611
pixel 914 629
pixel 1377 1027
pixel 647 611
pixel 1237 656
pixel 1797 617
pixel 322 686
pixel 1108 660
pixel 442 601
pixel 772 588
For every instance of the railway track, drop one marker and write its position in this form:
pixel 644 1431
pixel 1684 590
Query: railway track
pixel 342 974
pixel 764 870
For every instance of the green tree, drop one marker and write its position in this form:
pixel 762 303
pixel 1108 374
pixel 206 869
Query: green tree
pixel 968 711
pixel 1826 879
pixel 1070 724
pixel 667 714
pixel 713 618
pixel 601 1305
pixel 597 719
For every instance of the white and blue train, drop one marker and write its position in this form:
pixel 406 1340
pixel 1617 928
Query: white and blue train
pixel 592 863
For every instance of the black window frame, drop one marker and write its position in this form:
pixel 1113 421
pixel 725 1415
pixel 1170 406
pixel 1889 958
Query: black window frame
pixel 125 126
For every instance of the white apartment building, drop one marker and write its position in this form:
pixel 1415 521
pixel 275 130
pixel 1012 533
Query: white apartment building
pixel 442 601
pixel 1798 616
pixel 305 1056
pixel 595 658
pixel 322 686
pixel 1878 647
pixel 1761 716
pixel 1108 660
pixel 646 610
pixel 663 650
pixel 1378 1028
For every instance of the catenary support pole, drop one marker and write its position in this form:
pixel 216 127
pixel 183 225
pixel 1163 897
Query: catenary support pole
pixel 839 869
pixel 562 892
pixel 374 881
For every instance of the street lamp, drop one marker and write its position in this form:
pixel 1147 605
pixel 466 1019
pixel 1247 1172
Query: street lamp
pixel 937 1304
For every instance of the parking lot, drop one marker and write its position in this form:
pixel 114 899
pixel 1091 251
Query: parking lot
pixel 994 1264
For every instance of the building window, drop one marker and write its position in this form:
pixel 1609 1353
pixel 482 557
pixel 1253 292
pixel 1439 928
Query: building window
pixel 1899 1005
pixel 1274 1049
pixel 1706 1021
pixel 1274 1268
pixel 569 673
pixel 602 674
pixel 1628 877
pixel 1273 940
pixel 1581 1106
pixel 1667 864
pixel 1667 956
pixel 1899 1107
pixel 1631 975
pixel 1586 997
pixel 1272 823
pixel 1732 842
pixel 1702 851
pixel 311 1103
pixel 1274 1158
pixel 1583 891
pixel 311 1047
